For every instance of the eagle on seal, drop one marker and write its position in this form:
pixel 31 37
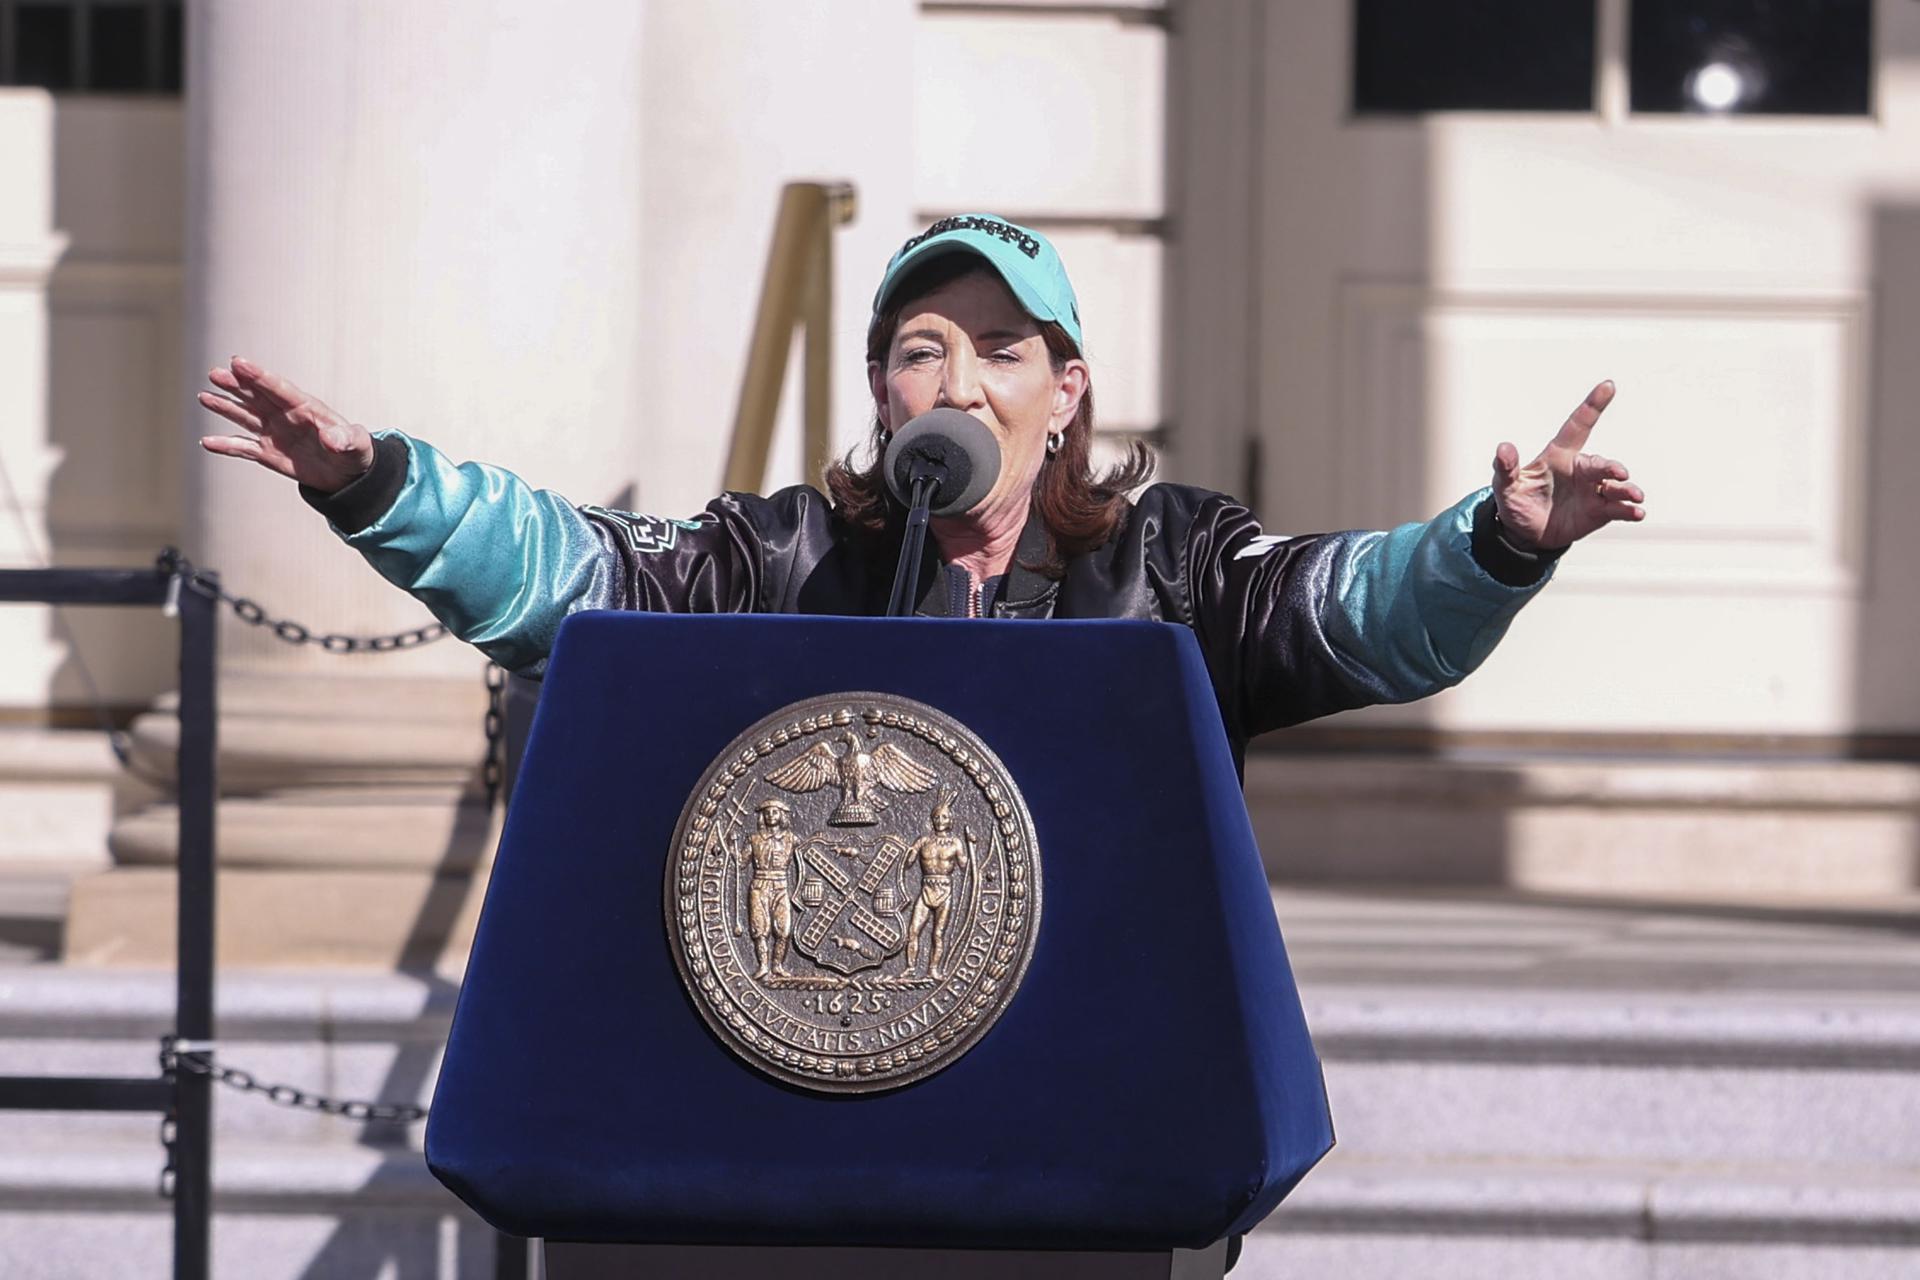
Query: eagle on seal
pixel 857 773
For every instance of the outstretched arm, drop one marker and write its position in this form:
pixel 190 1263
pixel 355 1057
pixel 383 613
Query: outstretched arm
pixel 1304 626
pixel 1423 615
pixel 501 563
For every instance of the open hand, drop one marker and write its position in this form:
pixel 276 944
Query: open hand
pixel 293 433
pixel 1563 495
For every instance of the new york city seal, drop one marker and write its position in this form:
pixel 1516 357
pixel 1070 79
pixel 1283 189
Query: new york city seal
pixel 853 892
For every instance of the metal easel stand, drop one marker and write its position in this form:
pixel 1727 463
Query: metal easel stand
pixel 184 1099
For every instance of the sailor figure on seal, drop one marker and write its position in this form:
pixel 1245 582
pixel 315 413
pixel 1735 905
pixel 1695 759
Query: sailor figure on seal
pixel 769 902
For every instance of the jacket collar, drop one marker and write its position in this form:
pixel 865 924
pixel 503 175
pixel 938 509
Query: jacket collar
pixel 1027 594
pixel 1023 593
pixel 933 581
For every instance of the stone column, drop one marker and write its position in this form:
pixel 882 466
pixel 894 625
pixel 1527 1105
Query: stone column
pixel 532 234
pixel 427 214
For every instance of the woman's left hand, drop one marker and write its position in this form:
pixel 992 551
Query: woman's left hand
pixel 1563 495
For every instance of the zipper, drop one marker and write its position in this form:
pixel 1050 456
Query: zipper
pixel 973 597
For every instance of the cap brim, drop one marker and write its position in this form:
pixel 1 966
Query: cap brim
pixel 1023 293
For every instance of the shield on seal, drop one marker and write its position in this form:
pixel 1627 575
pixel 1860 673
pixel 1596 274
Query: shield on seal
pixel 856 923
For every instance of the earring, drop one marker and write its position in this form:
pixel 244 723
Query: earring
pixel 1054 440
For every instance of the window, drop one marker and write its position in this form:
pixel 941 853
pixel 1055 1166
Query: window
pixel 97 46
pixel 1767 57
pixel 1487 55
pixel 1752 57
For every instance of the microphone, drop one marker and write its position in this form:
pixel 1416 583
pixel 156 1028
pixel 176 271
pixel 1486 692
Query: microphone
pixel 942 463
pixel 953 449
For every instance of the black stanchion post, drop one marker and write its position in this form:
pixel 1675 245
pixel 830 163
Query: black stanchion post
pixel 193 1091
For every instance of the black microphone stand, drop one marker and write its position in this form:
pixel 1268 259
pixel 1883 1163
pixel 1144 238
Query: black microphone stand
pixel 906 574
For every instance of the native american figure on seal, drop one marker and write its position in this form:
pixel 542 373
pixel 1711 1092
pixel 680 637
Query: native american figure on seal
pixel 858 774
pixel 940 854
pixel 769 900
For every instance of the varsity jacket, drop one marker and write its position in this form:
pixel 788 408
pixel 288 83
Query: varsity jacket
pixel 1292 627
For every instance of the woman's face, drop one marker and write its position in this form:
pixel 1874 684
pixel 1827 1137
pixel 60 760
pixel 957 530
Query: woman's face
pixel 969 346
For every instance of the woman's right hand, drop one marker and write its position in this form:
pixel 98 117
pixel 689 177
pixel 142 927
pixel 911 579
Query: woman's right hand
pixel 293 433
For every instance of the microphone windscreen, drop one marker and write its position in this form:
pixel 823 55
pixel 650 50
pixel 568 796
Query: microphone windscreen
pixel 955 448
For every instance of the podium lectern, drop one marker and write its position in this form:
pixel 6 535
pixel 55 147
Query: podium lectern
pixel 690 1037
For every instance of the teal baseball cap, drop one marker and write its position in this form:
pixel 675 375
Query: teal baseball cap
pixel 1022 257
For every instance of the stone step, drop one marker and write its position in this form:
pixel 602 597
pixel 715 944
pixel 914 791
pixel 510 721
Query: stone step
pixel 365 1036
pixel 267 753
pixel 296 1194
pixel 1365 1219
pixel 278 732
pixel 441 829
pixel 1372 934
pixel 57 798
pixel 1618 1076
pixel 33 913
pixel 1465 1027
pixel 347 696
pixel 357 918
pixel 33 754
pixel 1519 1087
pixel 285 1210
pixel 1659 827
pixel 282 1211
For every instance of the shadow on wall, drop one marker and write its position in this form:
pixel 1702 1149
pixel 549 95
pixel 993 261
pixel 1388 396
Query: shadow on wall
pixel 1887 634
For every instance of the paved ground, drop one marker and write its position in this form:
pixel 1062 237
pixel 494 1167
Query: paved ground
pixel 1481 939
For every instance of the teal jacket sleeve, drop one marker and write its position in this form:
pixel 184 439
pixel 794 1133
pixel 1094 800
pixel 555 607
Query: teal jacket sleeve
pixel 1303 626
pixel 1414 607
pixel 501 563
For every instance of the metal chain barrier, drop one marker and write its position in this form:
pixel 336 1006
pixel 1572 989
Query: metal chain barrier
pixel 493 766
pixel 169 1136
pixel 182 571
pixel 182 574
pixel 198 1060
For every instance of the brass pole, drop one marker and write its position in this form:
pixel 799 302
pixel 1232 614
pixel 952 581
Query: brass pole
pixel 796 289
pixel 817 390
pixel 772 335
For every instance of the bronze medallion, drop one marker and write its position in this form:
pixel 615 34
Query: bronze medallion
pixel 853 892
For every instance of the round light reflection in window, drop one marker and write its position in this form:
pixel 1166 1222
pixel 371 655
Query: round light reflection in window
pixel 1718 86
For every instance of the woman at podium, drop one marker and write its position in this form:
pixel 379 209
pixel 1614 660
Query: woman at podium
pixel 977 314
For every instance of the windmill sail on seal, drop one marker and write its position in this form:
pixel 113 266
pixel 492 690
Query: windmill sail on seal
pixel 859 775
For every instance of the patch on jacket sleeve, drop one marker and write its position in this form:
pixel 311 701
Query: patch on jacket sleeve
pixel 1259 546
pixel 646 534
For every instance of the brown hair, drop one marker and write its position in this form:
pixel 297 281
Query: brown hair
pixel 1079 510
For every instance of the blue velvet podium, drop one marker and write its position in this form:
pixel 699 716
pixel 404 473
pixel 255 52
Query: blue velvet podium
pixel 1150 1086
